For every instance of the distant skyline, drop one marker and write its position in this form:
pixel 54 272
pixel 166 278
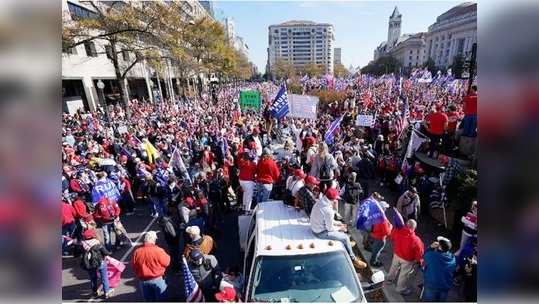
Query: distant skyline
pixel 360 26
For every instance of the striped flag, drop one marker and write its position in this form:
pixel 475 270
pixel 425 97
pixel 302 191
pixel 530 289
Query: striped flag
pixel 330 133
pixel 402 121
pixel 193 293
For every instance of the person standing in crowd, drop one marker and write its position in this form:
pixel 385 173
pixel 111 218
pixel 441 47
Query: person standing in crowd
pixel 380 232
pixel 324 226
pixel 293 184
pixel 247 168
pixel 197 241
pixel 438 269
pixel 68 225
pixel 206 272
pixel 324 167
pixel 93 261
pixel 408 252
pixel 351 193
pixel 106 212
pixel 469 231
pixel 267 174
pixel 436 126
pixel 172 238
pixel 149 264
pixel 305 197
pixel 409 204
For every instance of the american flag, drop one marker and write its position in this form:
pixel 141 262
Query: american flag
pixel 193 293
pixel 402 121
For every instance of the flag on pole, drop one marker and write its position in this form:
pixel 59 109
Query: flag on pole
pixel 176 161
pixel 193 293
pixel 369 213
pixel 280 108
pixel 330 133
pixel 413 144
pixel 151 151
pixel 402 121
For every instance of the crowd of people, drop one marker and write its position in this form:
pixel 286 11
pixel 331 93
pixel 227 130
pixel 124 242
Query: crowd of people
pixel 195 160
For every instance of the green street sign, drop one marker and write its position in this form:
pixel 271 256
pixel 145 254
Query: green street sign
pixel 250 100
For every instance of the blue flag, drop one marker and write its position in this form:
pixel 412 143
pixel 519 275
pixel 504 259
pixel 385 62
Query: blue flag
pixel 279 108
pixel 330 133
pixel 369 213
pixel 105 188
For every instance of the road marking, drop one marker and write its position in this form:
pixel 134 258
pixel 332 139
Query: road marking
pixel 126 254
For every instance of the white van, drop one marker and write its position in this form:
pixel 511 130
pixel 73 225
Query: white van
pixel 286 262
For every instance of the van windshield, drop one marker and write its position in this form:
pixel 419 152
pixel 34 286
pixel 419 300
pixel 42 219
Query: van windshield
pixel 324 277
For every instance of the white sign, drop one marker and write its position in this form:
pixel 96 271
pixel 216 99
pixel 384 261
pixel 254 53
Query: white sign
pixel 365 121
pixel 74 105
pixel 302 106
pixel 122 129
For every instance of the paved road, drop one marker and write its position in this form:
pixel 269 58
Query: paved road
pixel 76 285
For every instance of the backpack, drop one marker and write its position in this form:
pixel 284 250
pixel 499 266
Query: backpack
pixel 325 169
pixel 92 258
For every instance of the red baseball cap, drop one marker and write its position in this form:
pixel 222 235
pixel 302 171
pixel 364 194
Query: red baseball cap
pixel 312 180
pixel 299 173
pixel 332 194
pixel 226 295
pixel 89 234
pixel 256 131
pixel 310 140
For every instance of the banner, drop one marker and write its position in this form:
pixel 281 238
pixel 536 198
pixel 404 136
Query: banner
pixel 105 188
pixel 369 213
pixel 250 100
pixel 303 106
pixel 365 121
pixel 280 108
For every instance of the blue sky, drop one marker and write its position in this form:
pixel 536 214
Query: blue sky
pixel 359 25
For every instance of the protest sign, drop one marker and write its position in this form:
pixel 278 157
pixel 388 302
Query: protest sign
pixel 250 100
pixel 365 120
pixel 303 106
pixel 122 129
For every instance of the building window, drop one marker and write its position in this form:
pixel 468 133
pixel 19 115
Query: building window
pixel 108 51
pixel 89 46
pixel 125 55
pixel 70 51
pixel 79 12
pixel 411 51
pixel 276 31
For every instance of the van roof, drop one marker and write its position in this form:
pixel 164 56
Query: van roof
pixel 279 226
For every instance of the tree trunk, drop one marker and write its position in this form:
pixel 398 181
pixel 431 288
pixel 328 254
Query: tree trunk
pixel 121 80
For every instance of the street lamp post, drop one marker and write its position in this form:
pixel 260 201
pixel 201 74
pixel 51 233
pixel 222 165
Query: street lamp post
pixel 101 87
pixel 152 85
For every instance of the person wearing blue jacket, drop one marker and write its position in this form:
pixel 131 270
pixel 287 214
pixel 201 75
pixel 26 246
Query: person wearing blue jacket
pixel 439 267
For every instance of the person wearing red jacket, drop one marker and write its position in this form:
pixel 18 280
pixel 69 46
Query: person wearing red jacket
pixel 267 173
pixel 407 251
pixel 106 212
pixel 379 234
pixel 149 263
pixel 68 225
pixel 247 172
pixel 83 218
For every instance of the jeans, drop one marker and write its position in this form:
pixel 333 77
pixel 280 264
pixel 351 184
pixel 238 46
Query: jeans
pixel 104 277
pixel 67 230
pixel 377 246
pixel 263 192
pixel 248 188
pixel 434 295
pixel 158 206
pixel 154 290
pixel 107 240
pixel 338 236
pixel 349 217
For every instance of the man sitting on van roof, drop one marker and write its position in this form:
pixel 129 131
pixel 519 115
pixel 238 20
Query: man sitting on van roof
pixel 324 226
